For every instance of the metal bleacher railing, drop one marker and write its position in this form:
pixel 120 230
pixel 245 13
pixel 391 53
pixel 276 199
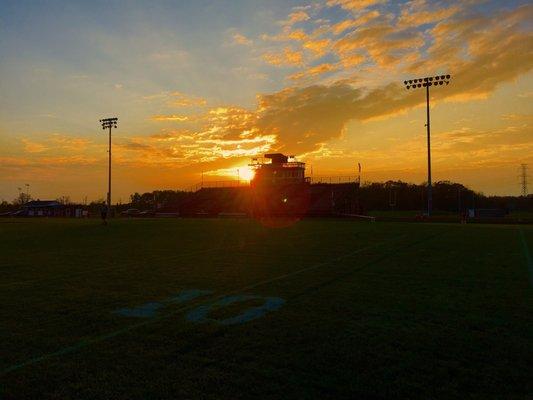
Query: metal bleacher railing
pixel 333 179
pixel 245 183
pixel 219 184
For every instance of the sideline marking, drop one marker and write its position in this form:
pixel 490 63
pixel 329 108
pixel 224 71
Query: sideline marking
pixel 200 314
pixel 527 255
pixel 97 339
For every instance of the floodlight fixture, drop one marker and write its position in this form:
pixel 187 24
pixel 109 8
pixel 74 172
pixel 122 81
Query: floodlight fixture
pixel 437 80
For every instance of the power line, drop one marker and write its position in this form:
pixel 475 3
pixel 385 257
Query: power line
pixel 437 80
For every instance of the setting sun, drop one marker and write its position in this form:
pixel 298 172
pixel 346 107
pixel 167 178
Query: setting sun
pixel 246 173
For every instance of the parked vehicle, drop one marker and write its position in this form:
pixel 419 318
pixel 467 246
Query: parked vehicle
pixel 130 212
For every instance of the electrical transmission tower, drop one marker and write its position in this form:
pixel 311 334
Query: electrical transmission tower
pixel 523 179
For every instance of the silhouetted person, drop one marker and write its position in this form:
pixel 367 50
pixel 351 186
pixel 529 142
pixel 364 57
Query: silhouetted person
pixel 103 214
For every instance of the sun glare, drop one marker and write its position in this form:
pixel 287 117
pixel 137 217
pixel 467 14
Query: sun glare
pixel 246 173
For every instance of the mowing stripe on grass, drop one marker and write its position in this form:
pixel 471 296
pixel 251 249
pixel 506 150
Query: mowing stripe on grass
pixel 219 247
pixel 527 255
pixel 107 268
pixel 54 320
pixel 87 342
pixel 366 265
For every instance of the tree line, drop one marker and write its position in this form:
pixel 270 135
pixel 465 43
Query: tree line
pixel 447 196
pixel 390 195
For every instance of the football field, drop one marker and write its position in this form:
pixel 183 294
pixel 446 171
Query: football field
pixel 233 309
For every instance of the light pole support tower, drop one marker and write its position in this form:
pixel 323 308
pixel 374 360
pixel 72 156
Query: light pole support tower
pixel 426 82
pixel 430 187
pixel 109 123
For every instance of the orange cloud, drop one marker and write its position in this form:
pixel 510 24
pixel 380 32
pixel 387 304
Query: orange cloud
pixel 382 42
pixel 304 119
pixel 55 142
pixel 13 162
pixel 33 147
pixel 296 35
pixel 351 60
pixel 314 71
pixel 171 117
pixel 287 57
pixel 176 99
pixel 295 17
pixel 239 38
pixel 518 117
pixel 418 13
pixel 342 26
pixel 68 143
pixel 353 5
pixel 319 47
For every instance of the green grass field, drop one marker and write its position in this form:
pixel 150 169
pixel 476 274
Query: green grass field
pixel 367 310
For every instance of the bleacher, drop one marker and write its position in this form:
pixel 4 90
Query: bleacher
pixel 211 201
pixel 333 199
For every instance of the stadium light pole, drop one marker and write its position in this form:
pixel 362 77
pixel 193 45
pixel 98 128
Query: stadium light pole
pixel 109 123
pixel 426 82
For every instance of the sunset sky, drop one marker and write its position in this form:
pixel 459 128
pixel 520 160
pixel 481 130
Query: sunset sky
pixel 206 85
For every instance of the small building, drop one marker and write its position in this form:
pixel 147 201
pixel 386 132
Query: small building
pixel 279 171
pixel 50 208
pixel 280 187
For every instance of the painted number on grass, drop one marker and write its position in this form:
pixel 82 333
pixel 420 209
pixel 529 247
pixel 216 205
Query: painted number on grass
pixel 147 310
pixel 203 313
